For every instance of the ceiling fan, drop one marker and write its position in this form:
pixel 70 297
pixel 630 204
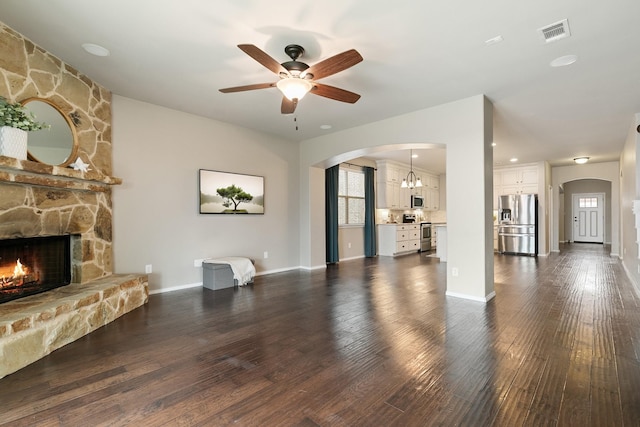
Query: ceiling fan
pixel 297 78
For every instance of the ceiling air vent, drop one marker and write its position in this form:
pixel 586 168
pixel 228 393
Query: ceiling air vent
pixel 556 31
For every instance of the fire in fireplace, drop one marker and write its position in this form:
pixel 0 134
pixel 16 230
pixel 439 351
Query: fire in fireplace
pixel 32 265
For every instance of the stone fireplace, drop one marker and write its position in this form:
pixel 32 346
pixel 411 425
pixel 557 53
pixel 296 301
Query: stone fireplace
pixel 29 266
pixel 39 200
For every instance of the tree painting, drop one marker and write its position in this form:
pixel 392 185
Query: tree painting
pixel 233 195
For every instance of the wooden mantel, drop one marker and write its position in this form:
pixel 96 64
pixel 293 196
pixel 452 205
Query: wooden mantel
pixel 27 172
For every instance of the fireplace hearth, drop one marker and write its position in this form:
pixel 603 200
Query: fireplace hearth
pixel 33 265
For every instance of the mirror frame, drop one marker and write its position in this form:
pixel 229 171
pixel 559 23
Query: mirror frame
pixel 74 149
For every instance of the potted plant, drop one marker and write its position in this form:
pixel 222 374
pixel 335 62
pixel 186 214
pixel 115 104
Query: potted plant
pixel 15 122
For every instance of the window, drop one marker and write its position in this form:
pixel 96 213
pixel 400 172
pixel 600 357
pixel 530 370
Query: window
pixel 350 197
pixel 588 202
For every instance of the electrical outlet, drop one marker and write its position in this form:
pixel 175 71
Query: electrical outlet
pixel 454 271
pixel 197 262
pixel 148 268
pixel 266 254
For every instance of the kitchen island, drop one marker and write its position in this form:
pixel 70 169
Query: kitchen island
pixel 398 239
pixel 440 233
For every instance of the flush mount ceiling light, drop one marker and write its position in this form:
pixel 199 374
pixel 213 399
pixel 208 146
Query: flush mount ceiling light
pixel 294 87
pixel 95 49
pixel 411 180
pixel 513 159
pixel 563 61
pixel 581 160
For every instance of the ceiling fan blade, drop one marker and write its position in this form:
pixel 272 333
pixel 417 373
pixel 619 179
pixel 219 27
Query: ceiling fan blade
pixel 248 87
pixel 334 93
pixel 264 59
pixel 335 64
pixel 288 106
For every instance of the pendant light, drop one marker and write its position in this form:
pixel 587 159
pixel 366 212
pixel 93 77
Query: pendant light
pixel 411 180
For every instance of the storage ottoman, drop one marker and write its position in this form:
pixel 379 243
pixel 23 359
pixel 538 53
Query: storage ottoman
pixel 217 276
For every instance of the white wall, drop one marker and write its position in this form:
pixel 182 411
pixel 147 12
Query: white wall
pixel 608 171
pixel 630 191
pixel 465 127
pixel 351 242
pixel 157 152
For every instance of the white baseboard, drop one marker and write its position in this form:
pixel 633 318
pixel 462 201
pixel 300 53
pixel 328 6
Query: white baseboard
pixel 470 297
pixel 317 267
pixel 175 288
pixel 277 270
pixel 262 273
pixel 353 257
pixel 634 283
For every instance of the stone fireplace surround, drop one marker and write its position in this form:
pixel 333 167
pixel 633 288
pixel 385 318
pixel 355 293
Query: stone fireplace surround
pixel 39 201
pixel 44 200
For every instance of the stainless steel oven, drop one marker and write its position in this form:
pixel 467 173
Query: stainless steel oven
pixel 425 236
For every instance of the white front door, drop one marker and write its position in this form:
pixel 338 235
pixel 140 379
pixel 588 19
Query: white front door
pixel 588 217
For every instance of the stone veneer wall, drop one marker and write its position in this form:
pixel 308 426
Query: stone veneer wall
pixel 41 200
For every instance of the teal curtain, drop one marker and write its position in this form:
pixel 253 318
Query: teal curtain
pixel 369 212
pixel 331 213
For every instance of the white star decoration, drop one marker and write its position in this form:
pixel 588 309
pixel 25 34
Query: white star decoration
pixel 79 165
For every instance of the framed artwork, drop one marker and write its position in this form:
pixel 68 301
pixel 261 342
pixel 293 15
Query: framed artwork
pixel 230 193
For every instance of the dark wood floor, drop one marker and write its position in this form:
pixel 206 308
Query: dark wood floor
pixel 371 342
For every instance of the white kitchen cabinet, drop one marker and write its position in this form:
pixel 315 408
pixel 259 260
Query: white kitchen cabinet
pixel 431 199
pixel 397 239
pixel 405 198
pixel 432 181
pixel 392 196
pixel 431 192
pixel 519 181
pixel 516 180
pixel 388 195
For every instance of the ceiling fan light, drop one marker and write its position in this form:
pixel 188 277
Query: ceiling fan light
pixel 294 87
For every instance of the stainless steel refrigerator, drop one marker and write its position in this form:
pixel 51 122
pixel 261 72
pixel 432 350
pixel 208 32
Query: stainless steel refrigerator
pixel 518 224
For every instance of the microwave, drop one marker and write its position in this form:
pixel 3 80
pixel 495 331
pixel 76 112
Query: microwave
pixel 417 202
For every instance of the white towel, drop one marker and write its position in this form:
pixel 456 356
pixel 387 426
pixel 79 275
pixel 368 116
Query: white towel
pixel 242 268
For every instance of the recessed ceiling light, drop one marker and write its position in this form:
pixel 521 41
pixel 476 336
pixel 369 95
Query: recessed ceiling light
pixel 414 156
pixel 563 61
pixel 95 49
pixel 325 127
pixel 581 160
pixel 513 159
pixel 493 144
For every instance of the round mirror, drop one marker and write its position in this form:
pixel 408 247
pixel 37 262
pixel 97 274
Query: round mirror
pixel 56 145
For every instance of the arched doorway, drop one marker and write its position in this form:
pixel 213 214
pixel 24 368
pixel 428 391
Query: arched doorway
pixel 569 216
pixel 606 175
